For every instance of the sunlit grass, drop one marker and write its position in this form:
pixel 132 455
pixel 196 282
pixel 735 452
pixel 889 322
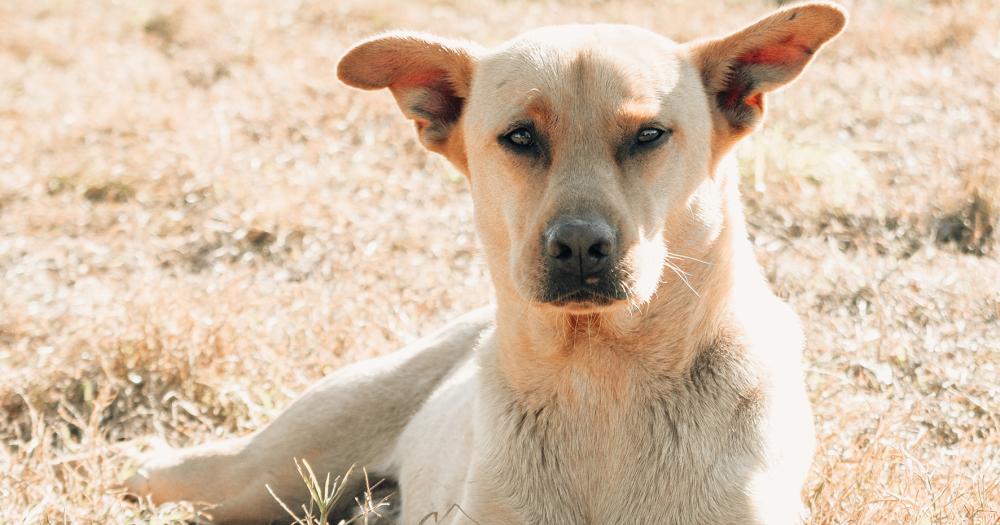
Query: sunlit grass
pixel 197 222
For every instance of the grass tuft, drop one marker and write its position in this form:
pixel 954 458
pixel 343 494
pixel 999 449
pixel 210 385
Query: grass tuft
pixel 323 498
pixel 971 227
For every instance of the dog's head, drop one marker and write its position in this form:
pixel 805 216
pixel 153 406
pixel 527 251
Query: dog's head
pixel 585 144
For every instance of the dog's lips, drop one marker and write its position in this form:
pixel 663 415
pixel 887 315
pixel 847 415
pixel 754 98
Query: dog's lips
pixel 582 300
pixel 582 295
pixel 576 293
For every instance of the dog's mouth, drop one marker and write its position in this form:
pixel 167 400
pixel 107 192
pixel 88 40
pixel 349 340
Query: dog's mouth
pixel 582 297
pixel 587 294
pixel 583 302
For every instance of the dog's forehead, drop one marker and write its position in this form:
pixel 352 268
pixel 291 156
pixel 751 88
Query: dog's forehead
pixel 600 65
pixel 575 35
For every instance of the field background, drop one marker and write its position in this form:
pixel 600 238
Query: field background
pixel 197 221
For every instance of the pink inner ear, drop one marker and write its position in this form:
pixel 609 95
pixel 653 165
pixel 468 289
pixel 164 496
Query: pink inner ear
pixel 786 52
pixel 732 96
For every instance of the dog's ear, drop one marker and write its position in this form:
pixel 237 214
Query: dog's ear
pixel 739 69
pixel 429 76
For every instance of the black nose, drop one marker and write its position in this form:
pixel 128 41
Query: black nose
pixel 579 246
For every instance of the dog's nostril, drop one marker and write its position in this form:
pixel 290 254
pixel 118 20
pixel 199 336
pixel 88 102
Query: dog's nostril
pixel 600 249
pixel 558 250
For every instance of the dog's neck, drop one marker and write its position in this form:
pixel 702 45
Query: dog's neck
pixel 691 308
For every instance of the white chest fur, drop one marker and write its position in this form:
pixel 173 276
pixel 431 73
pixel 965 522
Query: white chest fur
pixel 696 449
pixel 682 450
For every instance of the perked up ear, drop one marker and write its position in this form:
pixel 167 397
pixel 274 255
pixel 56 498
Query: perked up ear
pixel 429 76
pixel 739 69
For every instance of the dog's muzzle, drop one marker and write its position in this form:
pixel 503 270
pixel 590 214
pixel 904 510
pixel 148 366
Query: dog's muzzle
pixel 580 255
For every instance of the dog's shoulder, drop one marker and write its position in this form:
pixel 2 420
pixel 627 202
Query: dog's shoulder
pixel 751 363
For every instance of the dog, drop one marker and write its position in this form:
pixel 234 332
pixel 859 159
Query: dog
pixel 636 368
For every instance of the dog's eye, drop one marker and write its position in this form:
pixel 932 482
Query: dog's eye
pixel 520 138
pixel 649 136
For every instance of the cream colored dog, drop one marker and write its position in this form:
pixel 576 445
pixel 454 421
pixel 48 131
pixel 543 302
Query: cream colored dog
pixel 636 368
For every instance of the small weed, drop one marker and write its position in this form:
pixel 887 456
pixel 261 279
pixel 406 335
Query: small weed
pixel 163 27
pixel 971 227
pixel 109 192
pixel 323 498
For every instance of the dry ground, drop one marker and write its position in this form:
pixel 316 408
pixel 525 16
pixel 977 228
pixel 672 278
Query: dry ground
pixel 197 221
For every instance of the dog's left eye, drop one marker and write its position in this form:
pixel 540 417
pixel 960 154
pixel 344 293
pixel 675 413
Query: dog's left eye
pixel 649 136
pixel 520 137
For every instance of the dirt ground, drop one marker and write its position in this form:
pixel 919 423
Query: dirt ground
pixel 197 221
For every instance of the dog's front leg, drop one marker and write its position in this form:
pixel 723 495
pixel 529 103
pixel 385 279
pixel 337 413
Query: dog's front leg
pixel 352 417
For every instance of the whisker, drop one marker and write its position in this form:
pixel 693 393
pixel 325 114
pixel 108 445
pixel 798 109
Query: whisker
pixel 682 275
pixel 627 286
pixel 695 259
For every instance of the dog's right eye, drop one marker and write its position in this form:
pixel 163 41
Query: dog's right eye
pixel 520 139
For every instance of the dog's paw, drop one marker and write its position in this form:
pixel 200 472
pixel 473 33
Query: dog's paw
pixel 136 486
pixel 142 460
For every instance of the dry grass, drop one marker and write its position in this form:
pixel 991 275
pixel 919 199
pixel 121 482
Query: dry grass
pixel 197 221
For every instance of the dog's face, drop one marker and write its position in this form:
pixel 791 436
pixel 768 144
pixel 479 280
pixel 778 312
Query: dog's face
pixel 581 140
pixel 585 144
